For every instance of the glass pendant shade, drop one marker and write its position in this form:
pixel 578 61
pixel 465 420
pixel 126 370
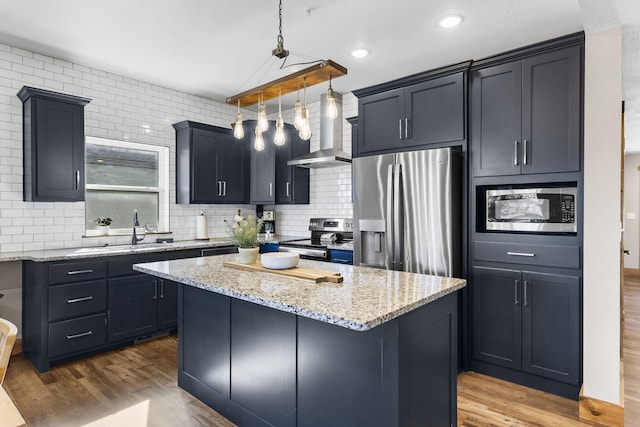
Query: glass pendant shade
pixel 279 139
pixel 297 118
pixel 263 123
pixel 259 142
pixel 238 129
pixel 305 128
pixel 332 108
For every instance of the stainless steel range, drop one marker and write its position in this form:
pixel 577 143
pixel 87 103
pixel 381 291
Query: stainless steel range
pixel 325 232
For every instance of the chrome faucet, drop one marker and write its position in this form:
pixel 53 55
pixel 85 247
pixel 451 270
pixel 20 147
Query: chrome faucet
pixel 134 238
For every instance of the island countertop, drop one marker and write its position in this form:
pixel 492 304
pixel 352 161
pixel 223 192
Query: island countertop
pixel 367 297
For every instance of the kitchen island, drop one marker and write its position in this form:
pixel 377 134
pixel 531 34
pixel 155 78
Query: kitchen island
pixel 378 349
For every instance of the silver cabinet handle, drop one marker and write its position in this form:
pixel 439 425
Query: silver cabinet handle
pixel 219 188
pixel 516 161
pixel 77 180
pixel 74 300
pixel 399 128
pixel 525 294
pixel 161 289
pixel 270 189
pixel 73 272
pixel 406 128
pixel 80 335
pixel 524 152
pixel 521 254
pixel 224 188
pixel 155 289
pixel 515 289
pixel 288 186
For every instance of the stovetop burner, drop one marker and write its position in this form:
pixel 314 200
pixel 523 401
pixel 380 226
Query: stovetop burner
pixel 335 230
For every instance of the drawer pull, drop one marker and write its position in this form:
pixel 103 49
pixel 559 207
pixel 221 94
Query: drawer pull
pixel 80 335
pixel 71 301
pixel 71 273
pixel 521 254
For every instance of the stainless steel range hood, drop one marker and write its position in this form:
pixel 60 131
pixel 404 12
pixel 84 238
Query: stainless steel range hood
pixel 330 153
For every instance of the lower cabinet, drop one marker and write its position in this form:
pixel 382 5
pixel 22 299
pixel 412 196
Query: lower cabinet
pixel 140 305
pixel 528 321
pixel 74 308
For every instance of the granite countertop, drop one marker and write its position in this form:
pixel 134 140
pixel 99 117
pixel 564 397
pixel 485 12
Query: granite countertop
pixel 366 298
pixel 101 251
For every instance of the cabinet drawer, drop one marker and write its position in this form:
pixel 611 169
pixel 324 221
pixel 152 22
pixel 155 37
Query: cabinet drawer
pixel 77 299
pixel 77 271
pixel 70 336
pixel 518 253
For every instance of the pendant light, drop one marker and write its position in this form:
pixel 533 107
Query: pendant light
pixel 305 127
pixel 259 142
pixel 263 123
pixel 297 117
pixel 332 108
pixel 238 129
pixel 279 139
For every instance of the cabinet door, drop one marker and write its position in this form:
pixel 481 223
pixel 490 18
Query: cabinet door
pixel 132 306
pixel 551 326
pixel 380 126
pixel 497 316
pixel 435 111
pixel 292 182
pixel 59 150
pixel 167 304
pixel 551 111
pixel 232 166
pixel 263 171
pixel 496 119
pixel 205 185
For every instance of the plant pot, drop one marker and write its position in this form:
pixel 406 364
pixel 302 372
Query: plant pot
pixel 103 230
pixel 248 255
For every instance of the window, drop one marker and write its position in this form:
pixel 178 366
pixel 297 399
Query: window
pixel 123 176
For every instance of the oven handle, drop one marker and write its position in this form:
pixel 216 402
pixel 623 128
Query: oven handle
pixel 318 253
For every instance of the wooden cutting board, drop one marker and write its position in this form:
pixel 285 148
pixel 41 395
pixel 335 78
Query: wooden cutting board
pixel 297 272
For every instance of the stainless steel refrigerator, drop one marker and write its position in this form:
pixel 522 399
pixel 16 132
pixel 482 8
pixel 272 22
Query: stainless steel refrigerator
pixel 407 211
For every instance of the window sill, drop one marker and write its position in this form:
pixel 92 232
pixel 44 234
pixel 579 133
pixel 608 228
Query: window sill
pixel 91 236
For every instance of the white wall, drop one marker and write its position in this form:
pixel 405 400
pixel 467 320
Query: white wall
pixel 602 151
pixel 632 210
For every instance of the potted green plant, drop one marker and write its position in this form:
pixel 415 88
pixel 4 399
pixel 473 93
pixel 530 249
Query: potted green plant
pixel 103 225
pixel 245 237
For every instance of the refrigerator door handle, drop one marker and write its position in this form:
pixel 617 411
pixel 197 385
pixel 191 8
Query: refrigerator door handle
pixel 398 253
pixel 389 260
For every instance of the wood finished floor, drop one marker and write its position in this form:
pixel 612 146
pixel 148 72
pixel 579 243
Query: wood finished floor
pixel 136 386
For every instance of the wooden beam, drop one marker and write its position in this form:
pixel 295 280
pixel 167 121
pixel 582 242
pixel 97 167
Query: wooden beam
pixel 313 75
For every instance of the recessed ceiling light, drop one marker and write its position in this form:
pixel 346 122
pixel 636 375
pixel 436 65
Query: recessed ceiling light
pixel 450 21
pixel 360 53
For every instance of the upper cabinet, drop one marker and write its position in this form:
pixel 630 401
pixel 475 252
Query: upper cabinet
pixel 272 180
pixel 211 165
pixel 53 133
pixel 526 115
pixel 430 110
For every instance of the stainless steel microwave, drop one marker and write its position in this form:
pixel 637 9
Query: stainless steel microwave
pixel 539 210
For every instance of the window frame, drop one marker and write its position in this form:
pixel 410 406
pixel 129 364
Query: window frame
pixel 162 189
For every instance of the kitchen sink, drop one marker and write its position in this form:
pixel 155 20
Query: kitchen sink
pixel 141 247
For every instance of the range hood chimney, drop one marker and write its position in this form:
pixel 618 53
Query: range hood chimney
pixel 330 153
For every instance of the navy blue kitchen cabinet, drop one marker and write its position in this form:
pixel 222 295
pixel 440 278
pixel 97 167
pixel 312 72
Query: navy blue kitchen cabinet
pixel 526 114
pixel 340 256
pixel 75 308
pixel 272 180
pixel 211 165
pixel 530 322
pixel 53 137
pixel 292 182
pixel 426 110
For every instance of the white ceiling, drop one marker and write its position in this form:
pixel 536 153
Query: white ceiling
pixel 212 48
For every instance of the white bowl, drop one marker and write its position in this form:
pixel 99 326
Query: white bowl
pixel 279 260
